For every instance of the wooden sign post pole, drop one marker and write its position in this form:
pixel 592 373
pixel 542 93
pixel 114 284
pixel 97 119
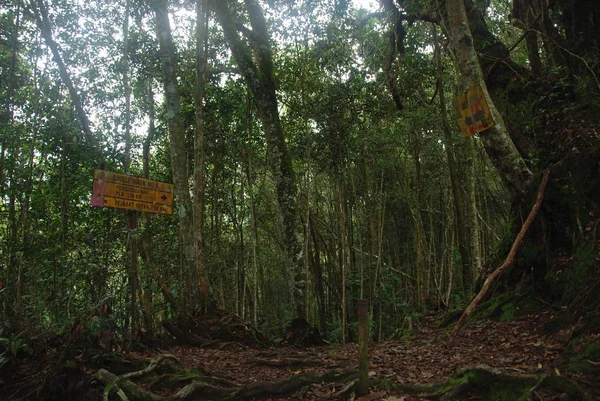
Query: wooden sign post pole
pixel 132 226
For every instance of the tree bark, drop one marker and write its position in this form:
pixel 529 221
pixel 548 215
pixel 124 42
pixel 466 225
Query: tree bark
pixel 256 67
pixel 151 131
pixel 202 14
pixel 498 144
pixel 178 153
pixel 43 22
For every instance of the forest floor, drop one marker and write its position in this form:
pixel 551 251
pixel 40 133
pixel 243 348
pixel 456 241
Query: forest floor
pixel 519 348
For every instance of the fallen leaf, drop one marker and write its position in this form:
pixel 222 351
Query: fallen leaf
pixel 372 396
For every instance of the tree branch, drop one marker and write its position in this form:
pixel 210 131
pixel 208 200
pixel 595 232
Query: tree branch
pixel 43 22
pixel 509 259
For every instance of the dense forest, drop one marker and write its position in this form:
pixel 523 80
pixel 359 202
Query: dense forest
pixel 320 155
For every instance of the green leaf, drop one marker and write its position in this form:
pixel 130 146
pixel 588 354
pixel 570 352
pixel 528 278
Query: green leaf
pixel 16 344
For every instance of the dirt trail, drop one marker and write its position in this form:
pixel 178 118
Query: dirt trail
pixel 518 346
pixel 517 349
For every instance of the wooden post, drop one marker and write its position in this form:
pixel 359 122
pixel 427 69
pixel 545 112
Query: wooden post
pixel 363 341
pixel 132 226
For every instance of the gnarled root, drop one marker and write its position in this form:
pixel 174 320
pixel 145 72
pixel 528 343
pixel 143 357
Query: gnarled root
pixel 202 391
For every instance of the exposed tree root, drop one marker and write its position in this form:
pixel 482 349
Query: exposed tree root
pixel 346 390
pixel 480 380
pixel 116 383
pixel 200 390
pixel 487 380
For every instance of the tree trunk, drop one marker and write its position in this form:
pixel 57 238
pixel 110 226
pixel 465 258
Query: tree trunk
pixel 201 61
pixel 581 22
pixel 256 269
pixel 126 87
pixel 6 120
pixel 471 222
pixel 151 131
pixel 319 286
pixel 451 148
pixel 498 144
pixel 177 139
pixel 524 16
pixel 43 22
pixel 419 233
pixel 258 73
pixel 343 252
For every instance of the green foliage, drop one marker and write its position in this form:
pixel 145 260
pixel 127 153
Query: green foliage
pixel 355 158
pixel 502 307
pixel 12 346
pixel 575 276
pixel 586 360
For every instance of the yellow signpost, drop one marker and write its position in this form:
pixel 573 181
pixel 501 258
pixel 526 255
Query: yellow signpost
pixel 129 192
pixel 473 112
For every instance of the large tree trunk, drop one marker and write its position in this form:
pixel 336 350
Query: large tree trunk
pixel 176 136
pixel 258 73
pixel 498 144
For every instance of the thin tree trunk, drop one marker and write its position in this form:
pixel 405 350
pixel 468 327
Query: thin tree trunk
pixel 43 22
pixel 533 52
pixel 202 15
pixel 146 296
pixel 254 236
pixel 319 287
pixel 343 257
pixel 378 243
pixel 471 220
pixel 307 246
pixel 419 231
pixel 133 271
pixel 126 87
pixel 151 131
pixel 160 279
pixel 131 215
